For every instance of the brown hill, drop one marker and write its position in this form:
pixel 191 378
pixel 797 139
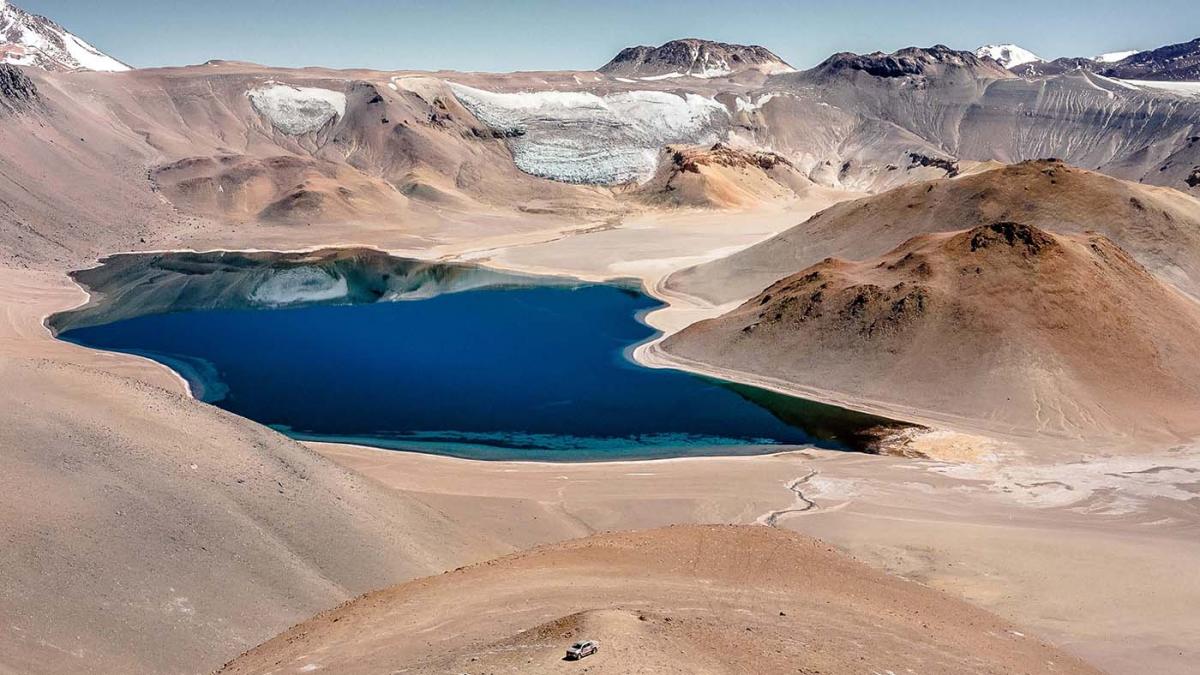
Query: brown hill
pixel 1003 327
pixel 702 599
pixel 1159 227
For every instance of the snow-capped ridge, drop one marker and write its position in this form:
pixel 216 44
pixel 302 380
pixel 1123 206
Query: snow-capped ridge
pixel 1114 57
pixel 30 40
pixel 1008 55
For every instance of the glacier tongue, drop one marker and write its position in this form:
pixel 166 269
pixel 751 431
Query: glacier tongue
pixel 579 137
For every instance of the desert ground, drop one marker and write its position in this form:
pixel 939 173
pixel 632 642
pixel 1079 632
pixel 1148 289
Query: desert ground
pixel 696 599
pixel 1045 540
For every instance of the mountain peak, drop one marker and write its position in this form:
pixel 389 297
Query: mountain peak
pixel 696 58
pixel 1008 55
pixel 30 40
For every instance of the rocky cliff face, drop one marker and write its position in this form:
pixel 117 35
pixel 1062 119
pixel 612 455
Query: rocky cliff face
pixel 695 58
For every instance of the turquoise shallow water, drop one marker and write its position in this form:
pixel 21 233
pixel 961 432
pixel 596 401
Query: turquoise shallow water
pixel 501 373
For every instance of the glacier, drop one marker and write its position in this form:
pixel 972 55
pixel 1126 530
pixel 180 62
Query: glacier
pixel 580 137
pixel 297 110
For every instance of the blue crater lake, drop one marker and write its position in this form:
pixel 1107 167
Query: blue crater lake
pixel 517 373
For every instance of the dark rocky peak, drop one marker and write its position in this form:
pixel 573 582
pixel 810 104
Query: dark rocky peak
pixel 912 62
pixel 698 58
pixel 1180 62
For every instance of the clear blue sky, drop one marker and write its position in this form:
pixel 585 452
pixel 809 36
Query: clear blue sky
pixel 544 35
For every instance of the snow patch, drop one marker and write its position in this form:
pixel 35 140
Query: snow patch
pixel 1114 57
pixel 580 137
pixel 751 105
pixel 297 110
pixel 1191 89
pixel 299 284
pixel 664 76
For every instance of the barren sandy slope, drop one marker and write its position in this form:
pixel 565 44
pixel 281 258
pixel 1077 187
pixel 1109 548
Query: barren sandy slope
pixel 143 531
pixel 1095 554
pixel 685 599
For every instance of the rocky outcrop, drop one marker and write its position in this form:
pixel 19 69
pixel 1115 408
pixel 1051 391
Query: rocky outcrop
pixel 949 166
pixel 17 91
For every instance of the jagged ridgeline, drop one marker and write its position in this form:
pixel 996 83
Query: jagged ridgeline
pixel 130 285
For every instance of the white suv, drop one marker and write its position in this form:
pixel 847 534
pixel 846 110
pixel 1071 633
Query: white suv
pixel 581 649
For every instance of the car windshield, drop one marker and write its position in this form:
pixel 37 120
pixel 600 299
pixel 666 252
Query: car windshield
pixel 577 645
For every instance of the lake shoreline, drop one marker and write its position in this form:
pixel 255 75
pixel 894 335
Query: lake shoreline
pixel 227 284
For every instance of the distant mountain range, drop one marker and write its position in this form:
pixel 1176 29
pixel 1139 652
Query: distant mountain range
pixel 1173 63
pixel 28 39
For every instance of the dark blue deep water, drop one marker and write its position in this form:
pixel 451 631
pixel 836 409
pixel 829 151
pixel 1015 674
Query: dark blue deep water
pixel 526 373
